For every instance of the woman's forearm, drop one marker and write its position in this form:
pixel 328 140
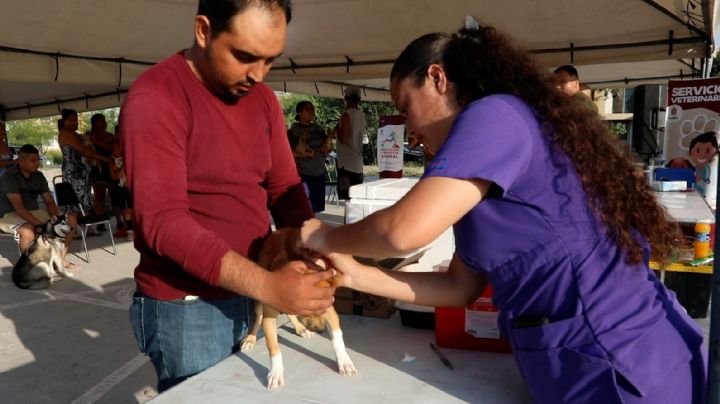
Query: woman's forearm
pixel 455 288
pixel 374 237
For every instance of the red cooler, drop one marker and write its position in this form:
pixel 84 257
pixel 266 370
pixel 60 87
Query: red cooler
pixel 473 327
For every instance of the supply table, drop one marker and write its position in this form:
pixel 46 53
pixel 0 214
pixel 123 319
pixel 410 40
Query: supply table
pixel 684 207
pixel 377 348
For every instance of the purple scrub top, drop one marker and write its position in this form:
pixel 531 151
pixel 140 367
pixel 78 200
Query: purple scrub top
pixel 585 326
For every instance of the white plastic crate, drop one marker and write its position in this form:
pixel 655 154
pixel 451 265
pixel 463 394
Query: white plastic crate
pixel 370 197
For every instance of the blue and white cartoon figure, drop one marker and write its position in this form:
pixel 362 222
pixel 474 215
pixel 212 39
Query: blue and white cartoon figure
pixel 703 152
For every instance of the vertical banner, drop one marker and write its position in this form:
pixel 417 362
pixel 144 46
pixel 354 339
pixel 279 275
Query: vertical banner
pixel 691 130
pixel 391 133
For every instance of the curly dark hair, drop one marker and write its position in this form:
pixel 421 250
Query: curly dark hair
pixel 483 61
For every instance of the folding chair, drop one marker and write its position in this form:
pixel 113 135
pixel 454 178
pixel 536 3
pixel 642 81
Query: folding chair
pixel 65 196
pixel 331 180
pixel 15 236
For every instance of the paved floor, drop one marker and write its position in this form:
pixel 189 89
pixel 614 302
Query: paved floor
pixel 73 342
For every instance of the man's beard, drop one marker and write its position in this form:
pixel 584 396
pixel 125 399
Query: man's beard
pixel 231 96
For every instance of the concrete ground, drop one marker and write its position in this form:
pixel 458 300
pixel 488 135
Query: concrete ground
pixel 72 343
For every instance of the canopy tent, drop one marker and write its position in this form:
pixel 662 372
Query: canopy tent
pixel 84 54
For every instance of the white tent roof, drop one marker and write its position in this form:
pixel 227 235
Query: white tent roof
pixel 98 47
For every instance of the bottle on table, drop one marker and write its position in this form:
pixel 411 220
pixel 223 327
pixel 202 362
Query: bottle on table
pixel 701 244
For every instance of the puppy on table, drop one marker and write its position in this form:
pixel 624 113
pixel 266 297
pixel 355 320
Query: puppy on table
pixel 276 251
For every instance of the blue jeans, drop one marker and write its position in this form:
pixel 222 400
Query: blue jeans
pixel 185 337
pixel 316 188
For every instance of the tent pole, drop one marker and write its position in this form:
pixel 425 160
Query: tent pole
pixel 713 391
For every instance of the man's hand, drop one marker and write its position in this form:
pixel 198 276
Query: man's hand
pixel 291 290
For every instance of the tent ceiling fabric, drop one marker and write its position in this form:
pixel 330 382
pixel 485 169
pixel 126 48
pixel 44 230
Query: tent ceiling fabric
pixel 325 34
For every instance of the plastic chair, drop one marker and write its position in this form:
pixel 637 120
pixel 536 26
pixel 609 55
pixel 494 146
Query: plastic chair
pixel 65 196
pixel 331 180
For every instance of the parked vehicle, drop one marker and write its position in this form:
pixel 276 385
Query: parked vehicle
pixel 416 154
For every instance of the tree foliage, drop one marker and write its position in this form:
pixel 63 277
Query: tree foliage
pixel 38 131
pixel 42 132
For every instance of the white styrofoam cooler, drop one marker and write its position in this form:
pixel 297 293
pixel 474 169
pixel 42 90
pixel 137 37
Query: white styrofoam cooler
pixel 370 197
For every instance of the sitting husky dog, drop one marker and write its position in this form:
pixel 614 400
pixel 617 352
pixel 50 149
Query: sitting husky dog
pixel 42 263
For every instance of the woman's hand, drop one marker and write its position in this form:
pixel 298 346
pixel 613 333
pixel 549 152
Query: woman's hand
pixel 313 235
pixel 348 270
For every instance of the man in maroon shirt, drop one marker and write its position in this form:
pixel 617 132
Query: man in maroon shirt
pixel 206 155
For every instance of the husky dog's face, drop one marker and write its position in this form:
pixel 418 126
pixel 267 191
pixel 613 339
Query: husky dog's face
pixel 57 226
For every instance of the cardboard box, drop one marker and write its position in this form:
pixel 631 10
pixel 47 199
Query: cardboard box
pixel 348 301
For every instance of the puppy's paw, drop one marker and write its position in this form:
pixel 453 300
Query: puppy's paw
pixel 248 343
pixel 305 333
pixel 276 377
pixel 275 381
pixel 346 366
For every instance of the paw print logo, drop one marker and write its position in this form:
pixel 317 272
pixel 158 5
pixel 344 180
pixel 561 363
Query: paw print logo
pixel 694 126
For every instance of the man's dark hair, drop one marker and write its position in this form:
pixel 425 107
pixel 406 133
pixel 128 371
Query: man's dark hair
pixel 220 12
pixel 569 69
pixel 28 149
pixel 95 118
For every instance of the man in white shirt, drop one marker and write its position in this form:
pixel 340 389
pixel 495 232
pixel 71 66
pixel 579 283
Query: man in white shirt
pixel 350 141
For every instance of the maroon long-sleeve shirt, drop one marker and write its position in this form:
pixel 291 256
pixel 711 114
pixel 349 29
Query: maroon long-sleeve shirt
pixel 203 175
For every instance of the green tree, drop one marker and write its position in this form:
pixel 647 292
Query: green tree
pixel 40 132
pixel 112 116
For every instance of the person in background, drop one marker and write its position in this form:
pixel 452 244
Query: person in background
pixel 350 143
pixel 567 81
pixel 585 89
pixel 120 194
pixel 208 161
pixel 563 236
pixel 74 169
pixel 308 141
pixel 7 159
pixel 20 187
pixel 103 142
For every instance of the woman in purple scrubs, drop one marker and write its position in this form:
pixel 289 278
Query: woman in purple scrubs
pixel 543 208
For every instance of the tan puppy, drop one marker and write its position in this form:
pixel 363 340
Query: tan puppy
pixel 276 251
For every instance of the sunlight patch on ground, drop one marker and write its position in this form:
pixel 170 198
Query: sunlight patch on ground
pixel 13 353
pixel 91 333
pixel 145 394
